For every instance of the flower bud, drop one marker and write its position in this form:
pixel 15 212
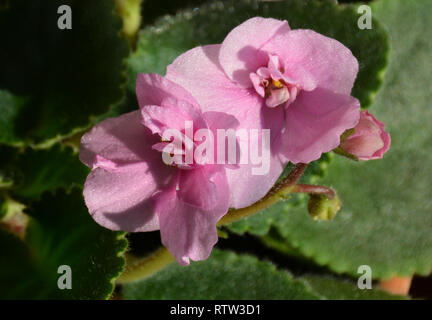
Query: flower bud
pixel 321 207
pixel 369 140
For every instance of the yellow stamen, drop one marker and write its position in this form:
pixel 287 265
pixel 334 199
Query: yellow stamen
pixel 277 84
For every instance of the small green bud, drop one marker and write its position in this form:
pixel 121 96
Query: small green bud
pixel 321 207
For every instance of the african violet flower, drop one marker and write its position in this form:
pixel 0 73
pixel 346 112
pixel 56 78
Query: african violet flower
pixel 296 83
pixel 131 188
pixel 369 140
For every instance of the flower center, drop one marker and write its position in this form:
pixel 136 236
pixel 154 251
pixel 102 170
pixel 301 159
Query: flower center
pixel 272 84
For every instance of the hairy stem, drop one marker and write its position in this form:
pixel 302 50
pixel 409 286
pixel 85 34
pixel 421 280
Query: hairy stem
pixel 141 268
pixel 278 192
pixel 312 189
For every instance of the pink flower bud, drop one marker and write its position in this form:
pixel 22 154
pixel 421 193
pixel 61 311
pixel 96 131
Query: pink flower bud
pixel 369 141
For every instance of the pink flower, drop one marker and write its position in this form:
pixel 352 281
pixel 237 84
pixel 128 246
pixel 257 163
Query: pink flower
pixel 369 140
pixel 130 188
pixel 297 83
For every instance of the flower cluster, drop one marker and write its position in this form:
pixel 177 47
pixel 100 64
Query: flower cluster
pixel 290 89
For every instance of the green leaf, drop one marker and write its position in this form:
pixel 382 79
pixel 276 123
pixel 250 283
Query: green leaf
pixel 160 44
pixel 385 221
pixel 60 232
pixel 152 10
pixel 332 288
pixel 224 275
pixel 12 111
pixel 32 172
pixel 59 79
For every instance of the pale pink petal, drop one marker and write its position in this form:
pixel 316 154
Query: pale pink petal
pixel 199 72
pixel 303 78
pixel 315 122
pixel 240 54
pixel 186 231
pixel 117 142
pixel 171 114
pixel 364 147
pixel 369 141
pixel 277 97
pixel 257 84
pixel 122 200
pixel 331 64
pixel 203 186
pixel 215 92
pixel 126 173
pixel 152 89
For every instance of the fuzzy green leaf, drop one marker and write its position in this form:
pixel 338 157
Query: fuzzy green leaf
pixel 224 275
pixel 59 78
pixel 32 172
pixel 60 232
pixel 331 288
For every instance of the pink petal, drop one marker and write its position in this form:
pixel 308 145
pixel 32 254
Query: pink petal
pixel 364 147
pixel 277 97
pixel 202 187
pixel 171 114
pixel 117 142
pixel 186 231
pixel 240 54
pixel 152 89
pixel 122 200
pixel 370 140
pixel 127 172
pixel 199 72
pixel 215 92
pixel 257 84
pixel 332 65
pixel 315 122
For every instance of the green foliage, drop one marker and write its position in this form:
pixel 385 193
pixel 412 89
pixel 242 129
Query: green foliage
pixel 332 288
pixel 54 83
pixel 32 172
pixel 60 232
pixel 226 275
pixel 56 80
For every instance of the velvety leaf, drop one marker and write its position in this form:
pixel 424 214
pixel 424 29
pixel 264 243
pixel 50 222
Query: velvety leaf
pixel 60 232
pixel 151 10
pixel 54 80
pixel 385 221
pixel 224 275
pixel 11 108
pixel 32 172
pixel 332 288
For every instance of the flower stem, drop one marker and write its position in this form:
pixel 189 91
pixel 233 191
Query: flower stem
pixel 278 192
pixel 312 189
pixel 141 268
